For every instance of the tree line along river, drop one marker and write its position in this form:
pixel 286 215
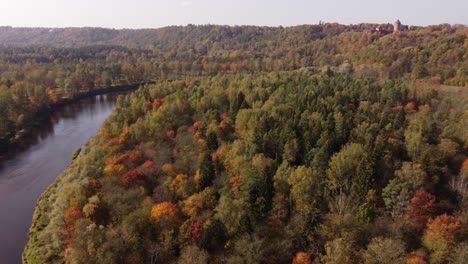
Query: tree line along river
pixel 27 173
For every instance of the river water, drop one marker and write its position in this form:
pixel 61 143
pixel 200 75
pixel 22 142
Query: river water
pixel 27 174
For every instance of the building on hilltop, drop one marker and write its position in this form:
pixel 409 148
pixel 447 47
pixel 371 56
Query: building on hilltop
pixel 382 30
pixel 396 26
pixel 385 29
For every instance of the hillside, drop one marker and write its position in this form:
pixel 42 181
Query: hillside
pixel 43 66
pixel 316 143
pixel 274 167
pixel 78 37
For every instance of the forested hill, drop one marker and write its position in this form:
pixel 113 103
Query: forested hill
pixel 324 143
pixel 436 52
pixel 233 35
pixel 42 66
pixel 265 168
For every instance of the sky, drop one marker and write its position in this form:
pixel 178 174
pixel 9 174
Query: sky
pixel 160 13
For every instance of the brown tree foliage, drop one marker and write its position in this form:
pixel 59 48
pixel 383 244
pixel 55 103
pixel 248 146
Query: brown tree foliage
pixel 195 228
pixel 301 258
pixel 193 204
pixel 411 106
pixel 440 236
pixel 168 169
pixel 235 184
pixel 71 216
pixel 195 126
pixel 416 258
pixel 136 157
pixel 148 164
pixel 170 134
pixel 158 102
pixel 94 184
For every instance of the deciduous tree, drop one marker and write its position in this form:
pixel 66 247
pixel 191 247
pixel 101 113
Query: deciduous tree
pixel 439 236
pixel 384 251
pixel 164 209
pixel 301 258
pixel 420 209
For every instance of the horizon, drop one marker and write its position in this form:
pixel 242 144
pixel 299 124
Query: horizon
pixel 227 25
pixel 146 14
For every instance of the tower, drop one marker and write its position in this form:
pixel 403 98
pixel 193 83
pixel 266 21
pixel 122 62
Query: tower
pixel 396 26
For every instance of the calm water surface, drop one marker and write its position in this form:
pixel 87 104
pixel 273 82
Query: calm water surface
pixel 27 174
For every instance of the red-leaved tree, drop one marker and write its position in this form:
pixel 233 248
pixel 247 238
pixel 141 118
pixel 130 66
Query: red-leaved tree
pixel 420 209
pixel 131 177
pixel 71 216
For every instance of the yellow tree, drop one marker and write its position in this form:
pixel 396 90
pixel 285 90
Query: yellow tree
pixel 164 209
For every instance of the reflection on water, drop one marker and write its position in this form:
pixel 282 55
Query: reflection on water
pixel 38 161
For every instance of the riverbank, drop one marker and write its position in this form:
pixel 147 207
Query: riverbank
pixel 98 91
pixel 20 137
pixel 26 174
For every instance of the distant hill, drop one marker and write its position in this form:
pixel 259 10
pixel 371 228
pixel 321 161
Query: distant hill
pixel 48 64
pixel 77 37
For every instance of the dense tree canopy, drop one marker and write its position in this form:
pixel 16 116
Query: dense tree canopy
pixel 40 67
pixel 280 167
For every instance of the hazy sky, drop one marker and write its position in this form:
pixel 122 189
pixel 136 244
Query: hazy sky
pixel 159 13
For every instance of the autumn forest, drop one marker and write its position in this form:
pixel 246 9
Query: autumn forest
pixel 308 144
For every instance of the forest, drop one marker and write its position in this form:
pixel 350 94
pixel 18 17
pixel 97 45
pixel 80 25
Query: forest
pixel 40 66
pixel 280 167
pixel 308 144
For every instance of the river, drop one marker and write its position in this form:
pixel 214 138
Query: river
pixel 25 175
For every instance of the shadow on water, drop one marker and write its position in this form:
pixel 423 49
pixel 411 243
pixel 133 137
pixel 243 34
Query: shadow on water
pixel 37 161
pixel 69 112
